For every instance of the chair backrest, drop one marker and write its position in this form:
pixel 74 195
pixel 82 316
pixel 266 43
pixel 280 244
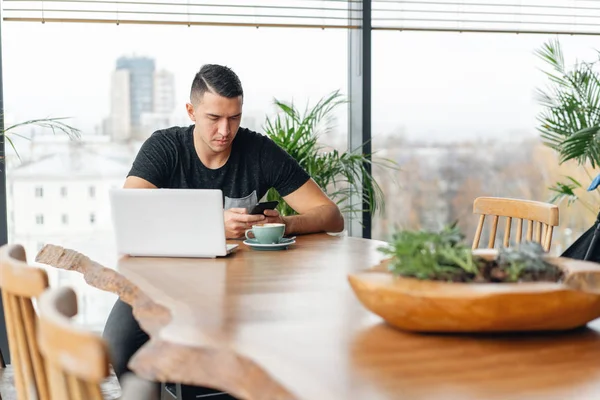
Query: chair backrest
pixel 20 283
pixel 76 360
pixel 541 219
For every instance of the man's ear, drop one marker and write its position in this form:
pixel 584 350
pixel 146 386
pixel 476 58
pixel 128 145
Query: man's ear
pixel 190 111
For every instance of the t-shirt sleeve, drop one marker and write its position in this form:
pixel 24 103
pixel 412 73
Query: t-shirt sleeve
pixel 281 170
pixel 156 160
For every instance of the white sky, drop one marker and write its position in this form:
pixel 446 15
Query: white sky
pixel 438 86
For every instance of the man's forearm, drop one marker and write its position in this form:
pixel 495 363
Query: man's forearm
pixel 320 219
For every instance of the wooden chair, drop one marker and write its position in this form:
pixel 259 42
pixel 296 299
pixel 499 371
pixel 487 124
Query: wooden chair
pixel 77 360
pixel 541 219
pixel 20 283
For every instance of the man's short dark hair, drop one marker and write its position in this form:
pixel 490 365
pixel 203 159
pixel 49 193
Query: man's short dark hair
pixel 216 79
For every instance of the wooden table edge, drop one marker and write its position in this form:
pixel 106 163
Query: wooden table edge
pixel 216 367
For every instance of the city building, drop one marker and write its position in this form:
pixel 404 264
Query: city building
pixel 60 197
pixel 120 106
pixel 141 86
pixel 142 100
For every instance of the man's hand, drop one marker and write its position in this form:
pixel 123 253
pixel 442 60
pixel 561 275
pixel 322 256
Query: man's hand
pixel 237 220
pixel 273 217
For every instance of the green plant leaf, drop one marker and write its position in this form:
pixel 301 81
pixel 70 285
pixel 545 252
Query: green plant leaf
pixel 570 118
pixel 565 191
pixel 583 146
pixel 431 255
pixel 55 124
pixel 12 144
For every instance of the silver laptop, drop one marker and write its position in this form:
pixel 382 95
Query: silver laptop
pixel 169 222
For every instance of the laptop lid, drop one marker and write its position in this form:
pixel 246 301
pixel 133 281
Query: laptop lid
pixel 168 222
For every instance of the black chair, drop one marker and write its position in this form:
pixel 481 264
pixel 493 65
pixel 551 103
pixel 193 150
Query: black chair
pixel 176 391
pixel 586 247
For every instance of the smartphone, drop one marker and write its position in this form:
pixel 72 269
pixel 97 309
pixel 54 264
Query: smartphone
pixel 261 207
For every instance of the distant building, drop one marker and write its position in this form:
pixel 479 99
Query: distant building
pixel 141 86
pixel 61 197
pixel 142 100
pixel 154 121
pixel 120 106
pixel 164 92
pixel 164 104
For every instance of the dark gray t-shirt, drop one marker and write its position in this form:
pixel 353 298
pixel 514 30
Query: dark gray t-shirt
pixel 168 159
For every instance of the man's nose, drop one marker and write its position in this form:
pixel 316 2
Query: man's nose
pixel 224 128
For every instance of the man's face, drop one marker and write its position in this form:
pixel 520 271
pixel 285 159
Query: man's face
pixel 217 120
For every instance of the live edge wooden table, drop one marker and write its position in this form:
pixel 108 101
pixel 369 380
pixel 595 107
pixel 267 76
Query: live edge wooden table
pixel 286 325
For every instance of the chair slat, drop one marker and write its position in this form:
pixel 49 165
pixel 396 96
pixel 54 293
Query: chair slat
pixel 478 232
pixel 94 392
pixel 520 230
pixel 76 390
pixel 493 231
pixel 36 358
pixel 9 315
pixel 529 230
pixel 543 235
pixel 507 232
pixel 24 357
pixel 58 384
pixel 548 240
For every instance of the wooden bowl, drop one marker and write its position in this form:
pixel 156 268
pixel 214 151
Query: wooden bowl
pixel 434 306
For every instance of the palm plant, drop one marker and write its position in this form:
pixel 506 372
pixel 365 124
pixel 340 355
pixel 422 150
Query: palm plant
pixel 338 174
pixel 570 120
pixel 55 124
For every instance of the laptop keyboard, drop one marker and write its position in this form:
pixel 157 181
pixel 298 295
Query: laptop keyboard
pixel 231 247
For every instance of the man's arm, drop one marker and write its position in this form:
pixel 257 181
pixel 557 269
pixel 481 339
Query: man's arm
pixel 317 213
pixel 134 182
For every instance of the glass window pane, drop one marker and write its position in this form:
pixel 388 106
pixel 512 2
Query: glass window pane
pixel 459 112
pixel 118 90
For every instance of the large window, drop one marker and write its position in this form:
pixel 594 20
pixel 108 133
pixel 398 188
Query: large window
pixel 458 113
pixel 103 77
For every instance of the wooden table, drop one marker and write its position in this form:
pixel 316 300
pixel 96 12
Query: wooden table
pixel 286 325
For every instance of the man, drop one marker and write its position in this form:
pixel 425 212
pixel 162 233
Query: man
pixel 215 153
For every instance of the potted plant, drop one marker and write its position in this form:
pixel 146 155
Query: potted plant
pixel 339 174
pixel 433 282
